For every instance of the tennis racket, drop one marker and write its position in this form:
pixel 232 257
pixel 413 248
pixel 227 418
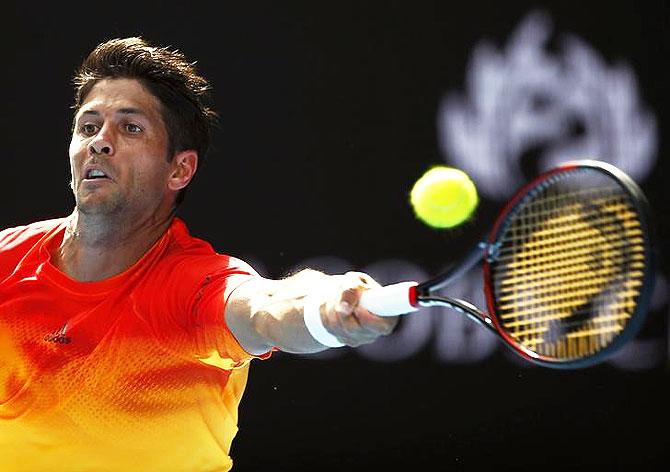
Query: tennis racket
pixel 568 268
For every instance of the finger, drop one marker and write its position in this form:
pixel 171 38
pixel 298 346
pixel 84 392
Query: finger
pixel 349 327
pixel 354 334
pixel 354 318
pixel 362 279
pixel 382 325
pixel 363 327
pixel 351 323
pixel 348 300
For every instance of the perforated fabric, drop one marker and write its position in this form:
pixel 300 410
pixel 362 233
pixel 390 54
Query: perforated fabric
pixel 137 372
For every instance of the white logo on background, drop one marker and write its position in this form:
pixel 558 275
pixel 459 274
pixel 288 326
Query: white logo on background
pixel 527 110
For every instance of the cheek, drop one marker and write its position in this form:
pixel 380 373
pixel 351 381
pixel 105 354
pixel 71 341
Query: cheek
pixel 74 151
pixel 151 175
pixel 76 145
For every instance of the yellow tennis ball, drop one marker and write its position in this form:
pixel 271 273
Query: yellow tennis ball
pixel 444 197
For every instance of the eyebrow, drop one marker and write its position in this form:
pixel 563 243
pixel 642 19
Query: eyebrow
pixel 120 111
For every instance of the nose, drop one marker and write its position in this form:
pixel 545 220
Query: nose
pixel 101 144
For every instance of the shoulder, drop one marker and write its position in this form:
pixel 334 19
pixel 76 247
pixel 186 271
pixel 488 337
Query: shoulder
pixel 191 262
pixel 16 243
pixel 26 235
pixel 188 248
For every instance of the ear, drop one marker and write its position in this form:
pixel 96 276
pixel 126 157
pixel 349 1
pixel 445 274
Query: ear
pixel 184 165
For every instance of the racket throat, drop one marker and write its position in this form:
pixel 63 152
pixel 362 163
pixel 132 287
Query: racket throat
pixel 461 306
pixel 473 258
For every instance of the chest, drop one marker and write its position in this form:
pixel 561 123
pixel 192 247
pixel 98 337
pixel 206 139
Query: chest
pixel 62 351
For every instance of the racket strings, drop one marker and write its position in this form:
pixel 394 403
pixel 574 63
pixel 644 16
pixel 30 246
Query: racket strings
pixel 562 262
pixel 564 231
pixel 570 270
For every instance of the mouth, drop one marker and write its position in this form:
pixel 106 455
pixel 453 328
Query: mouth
pixel 92 175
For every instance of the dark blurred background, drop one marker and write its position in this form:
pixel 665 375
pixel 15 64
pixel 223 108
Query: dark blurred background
pixel 329 113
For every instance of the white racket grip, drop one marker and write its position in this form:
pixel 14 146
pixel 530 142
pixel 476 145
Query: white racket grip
pixel 391 300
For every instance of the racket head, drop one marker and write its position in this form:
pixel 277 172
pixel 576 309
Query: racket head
pixel 570 270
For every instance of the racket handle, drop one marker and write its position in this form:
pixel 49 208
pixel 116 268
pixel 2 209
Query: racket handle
pixel 391 300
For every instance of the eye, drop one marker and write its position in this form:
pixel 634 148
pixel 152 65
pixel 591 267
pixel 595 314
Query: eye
pixel 88 129
pixel 133 128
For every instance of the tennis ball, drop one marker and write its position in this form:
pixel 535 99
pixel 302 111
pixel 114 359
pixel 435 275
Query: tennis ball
pixel 444 197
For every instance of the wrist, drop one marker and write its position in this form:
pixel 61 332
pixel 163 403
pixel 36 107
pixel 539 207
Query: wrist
pixel 314 322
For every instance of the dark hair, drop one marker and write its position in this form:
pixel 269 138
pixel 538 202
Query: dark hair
pixel 174 81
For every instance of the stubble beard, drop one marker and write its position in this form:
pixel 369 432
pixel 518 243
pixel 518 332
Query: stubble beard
pixel 110 205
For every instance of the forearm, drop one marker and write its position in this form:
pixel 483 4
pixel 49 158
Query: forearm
pixel 266 314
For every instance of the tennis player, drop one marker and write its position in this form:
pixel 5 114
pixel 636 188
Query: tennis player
pixel 125 342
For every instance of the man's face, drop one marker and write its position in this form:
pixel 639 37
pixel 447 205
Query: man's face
pixel 118 152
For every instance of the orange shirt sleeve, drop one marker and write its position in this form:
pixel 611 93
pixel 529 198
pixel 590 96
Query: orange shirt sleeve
pixel 212 336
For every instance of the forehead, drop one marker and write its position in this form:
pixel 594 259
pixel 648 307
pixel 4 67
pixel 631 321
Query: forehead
pixel 109 95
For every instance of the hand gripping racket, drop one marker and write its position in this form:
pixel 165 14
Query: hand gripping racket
pixel 568 269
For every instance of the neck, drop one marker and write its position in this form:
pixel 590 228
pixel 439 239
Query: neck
pixel 96 247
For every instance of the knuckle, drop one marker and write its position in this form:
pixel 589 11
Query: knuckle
pixel 361 279
pixel 350 295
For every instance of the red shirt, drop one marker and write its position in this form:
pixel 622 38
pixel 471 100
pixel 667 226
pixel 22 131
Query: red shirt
pixel 135 372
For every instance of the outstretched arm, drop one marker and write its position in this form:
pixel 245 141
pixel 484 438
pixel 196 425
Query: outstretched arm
pixel 263 314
